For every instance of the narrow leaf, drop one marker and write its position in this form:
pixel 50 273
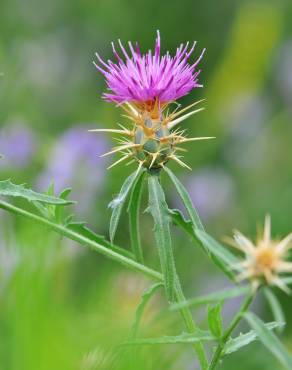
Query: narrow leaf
pixel 179 339
pixel 186 200
pixel 147 295
pixel 118 203
pixel 10 189
pixel 269 340
pixel 215 320
pixel 160 214
pixel 223 258
pixel 134 211
pixel 59 211
pixel 234 344
pixel 275 307
pixel 82 229
pixel 179 220
pixel 211 298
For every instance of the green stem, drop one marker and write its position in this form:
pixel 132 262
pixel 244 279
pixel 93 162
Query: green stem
pixel 134 211
pixel 237 318
pixel 160 213
pixel 190 324
pixel 64 231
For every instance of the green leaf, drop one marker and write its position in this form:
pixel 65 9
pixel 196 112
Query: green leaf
pixel 211 298
pixel 234 344
pixel 275 307
pixel 221 256
pixel 118 203
pixel 82 229
pixel 7 188
pixel 134 211
pixel 179 339
pixel 269 340
pixel 186 200
pixel 179 220
pixel 160 214
pixel 59 211
pixel 215 320
pixel 147 295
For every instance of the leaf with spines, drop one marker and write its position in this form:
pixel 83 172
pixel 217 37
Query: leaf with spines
pixel 215 320
pixel 234 344
pixel 117 204
pixel 160 213
pixel 7 188
pixel 269 340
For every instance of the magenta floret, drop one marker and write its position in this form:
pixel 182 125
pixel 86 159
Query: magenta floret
pixel 144 78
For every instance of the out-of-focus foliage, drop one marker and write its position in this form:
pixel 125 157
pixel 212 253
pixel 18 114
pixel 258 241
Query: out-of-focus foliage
pixel 66 308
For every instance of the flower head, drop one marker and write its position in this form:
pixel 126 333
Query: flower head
pixel 144 79
pixel 265 260
pixel 144 85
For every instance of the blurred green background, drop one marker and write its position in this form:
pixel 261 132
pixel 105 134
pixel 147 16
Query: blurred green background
pixel 64 307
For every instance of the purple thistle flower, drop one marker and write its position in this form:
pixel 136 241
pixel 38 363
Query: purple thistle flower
pixel 143 85
pixel 143 79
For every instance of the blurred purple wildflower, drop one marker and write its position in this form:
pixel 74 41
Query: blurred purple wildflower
pixel 17 145
pixel 212 191
pixel 73 160
pixel 145 78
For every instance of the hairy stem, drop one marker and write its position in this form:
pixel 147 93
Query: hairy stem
pixel 237 318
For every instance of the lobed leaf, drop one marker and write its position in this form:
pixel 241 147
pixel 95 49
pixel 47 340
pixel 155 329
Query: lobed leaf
pixel 269 340
pixel 234 344
pixel 7 188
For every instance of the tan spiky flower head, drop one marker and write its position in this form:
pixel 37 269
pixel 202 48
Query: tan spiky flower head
pixel 265 260
pixel 145 86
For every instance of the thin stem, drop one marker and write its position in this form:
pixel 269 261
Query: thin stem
pixel 64 231
pixel 220 348
pixel 134 211
pixel 190 324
